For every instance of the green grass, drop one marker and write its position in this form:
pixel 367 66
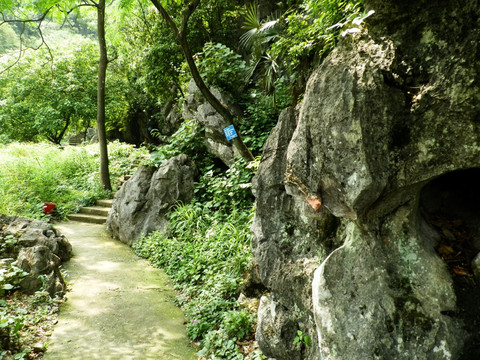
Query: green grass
pixel 31 174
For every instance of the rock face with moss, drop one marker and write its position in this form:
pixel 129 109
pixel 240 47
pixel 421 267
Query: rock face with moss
pixel 367 197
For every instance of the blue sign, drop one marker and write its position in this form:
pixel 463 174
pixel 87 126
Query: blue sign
pixel 230 132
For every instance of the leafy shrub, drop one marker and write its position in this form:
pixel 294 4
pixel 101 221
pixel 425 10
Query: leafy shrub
pixel 206 253
pixel 219 345
pixel 237 324
pixel 261 114
pixel 10 278
pixel 221 67
pixel 226 194
pixel 24 319
pixel 186 140
pixel 122 156
pixel 286 46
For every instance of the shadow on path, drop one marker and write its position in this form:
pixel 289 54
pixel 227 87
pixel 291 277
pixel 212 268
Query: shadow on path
pixel 118 307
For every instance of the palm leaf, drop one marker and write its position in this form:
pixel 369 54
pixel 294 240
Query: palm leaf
pixel 252 20
pixel 268 26
pixel 246 39
pixel 251 24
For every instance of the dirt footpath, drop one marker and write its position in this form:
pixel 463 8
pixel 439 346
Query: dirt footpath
pixel 119 307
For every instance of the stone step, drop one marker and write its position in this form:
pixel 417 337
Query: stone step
pixel 95 210
pixel 105 203
pixel 88 218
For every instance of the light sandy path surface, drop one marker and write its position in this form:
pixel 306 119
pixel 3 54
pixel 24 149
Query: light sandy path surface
pixel 119 307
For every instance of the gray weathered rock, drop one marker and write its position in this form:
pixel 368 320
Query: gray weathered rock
pixel 173 118
pixel 142 202
pixel 196 107
pixel 388 125
pixel 35 232
pixel 38 249
pixel 39 261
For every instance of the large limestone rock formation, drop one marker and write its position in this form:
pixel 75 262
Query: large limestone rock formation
pixel 143 201
pixel 367 210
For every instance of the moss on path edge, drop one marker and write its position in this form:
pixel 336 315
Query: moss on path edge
pixel 118 306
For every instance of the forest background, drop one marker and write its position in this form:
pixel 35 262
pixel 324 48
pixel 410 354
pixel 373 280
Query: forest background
pixel 260 54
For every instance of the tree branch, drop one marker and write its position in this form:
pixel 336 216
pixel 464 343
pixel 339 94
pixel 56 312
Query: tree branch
pixel 190 8
pixel 39 22
pixel 167 18
pixel 181 36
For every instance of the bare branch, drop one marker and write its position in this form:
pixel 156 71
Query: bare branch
pixel 20 52
pixel 25 21
pixel 44 42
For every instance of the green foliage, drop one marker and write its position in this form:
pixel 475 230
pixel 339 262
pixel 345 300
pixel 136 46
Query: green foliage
pixel 24 319
pixel 261 113
pixel 315 28
pixel 186 140
pixel 8 38
pixel 237 323
pixel 161 67
pixel 302 339
pixel 123 156
pixel 287 45
pixel 217 21
pixel 31 174
pixel 42 100
pixel 222 68
pixel 46 174
pixel 219 345
pixel 9 278
pixel 206 254
pixel 226 194
pixel 206 258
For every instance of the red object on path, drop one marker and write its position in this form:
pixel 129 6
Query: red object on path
pixel 48 207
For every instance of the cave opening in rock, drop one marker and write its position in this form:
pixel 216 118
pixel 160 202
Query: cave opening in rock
pixel 450 205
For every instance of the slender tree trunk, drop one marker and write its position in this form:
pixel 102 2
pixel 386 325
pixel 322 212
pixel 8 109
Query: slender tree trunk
pixel 59 137
pixel 181 36
pixel 102 71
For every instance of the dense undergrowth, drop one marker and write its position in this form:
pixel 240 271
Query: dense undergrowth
pixel 25 322
pixel 206 254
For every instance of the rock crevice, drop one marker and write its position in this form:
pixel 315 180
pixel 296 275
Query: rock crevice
pixel 367 274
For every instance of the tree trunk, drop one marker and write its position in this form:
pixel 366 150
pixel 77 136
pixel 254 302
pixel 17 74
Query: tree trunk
pixel 217 105
pixel 181 36
pixel 59 137
pixel 102 71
